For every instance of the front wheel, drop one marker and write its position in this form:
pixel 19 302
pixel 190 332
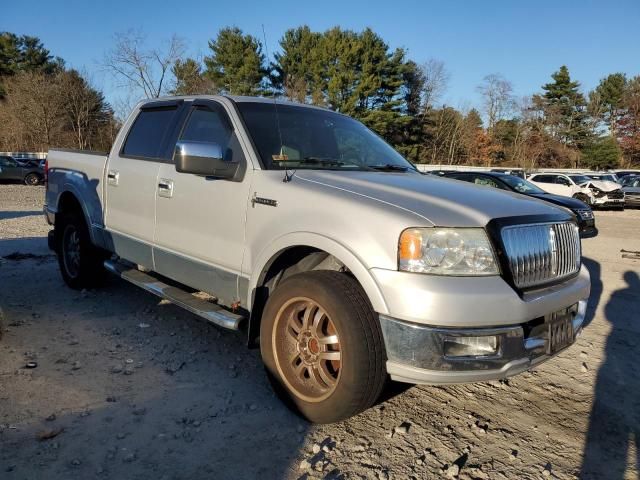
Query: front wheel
pixel 583 198
pixel 322 346
pixel 32 179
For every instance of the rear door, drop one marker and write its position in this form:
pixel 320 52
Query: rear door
pixel 132 176
pixel 547 182
pixel 200 221
pixel 564 186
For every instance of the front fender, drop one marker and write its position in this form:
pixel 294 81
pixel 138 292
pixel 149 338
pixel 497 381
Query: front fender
pixel 310 239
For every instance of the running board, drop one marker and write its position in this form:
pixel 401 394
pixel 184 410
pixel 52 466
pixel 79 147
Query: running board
pixel 209 311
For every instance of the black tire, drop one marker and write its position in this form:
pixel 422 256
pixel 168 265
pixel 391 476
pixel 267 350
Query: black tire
pixel 582 197
pixel 32 179
pixel 361 374
pixel 80 262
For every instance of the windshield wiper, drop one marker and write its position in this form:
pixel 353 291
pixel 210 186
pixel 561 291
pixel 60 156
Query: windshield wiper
pixel 390 167
pixel 314 161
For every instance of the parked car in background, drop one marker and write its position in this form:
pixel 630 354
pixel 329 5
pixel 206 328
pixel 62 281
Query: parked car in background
pixel 623 173
pixel 631 189
pixel 594 193
pixel 517 172
pixel 439 173
pixel 342 262
pixel 12 169
pixel 512 183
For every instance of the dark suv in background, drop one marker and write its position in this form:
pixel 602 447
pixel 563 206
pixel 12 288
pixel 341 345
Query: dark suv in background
pixel 29 171
pixel 582 211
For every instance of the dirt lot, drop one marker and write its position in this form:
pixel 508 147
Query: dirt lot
pixel 129 387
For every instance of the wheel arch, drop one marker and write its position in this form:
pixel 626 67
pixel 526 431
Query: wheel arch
pixel 68 201
pixel 296 253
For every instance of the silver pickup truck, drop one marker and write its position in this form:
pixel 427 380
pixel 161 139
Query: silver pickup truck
pixel 336 256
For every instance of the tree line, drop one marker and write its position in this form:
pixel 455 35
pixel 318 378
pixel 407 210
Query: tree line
pixel 44 104
pixel 359 74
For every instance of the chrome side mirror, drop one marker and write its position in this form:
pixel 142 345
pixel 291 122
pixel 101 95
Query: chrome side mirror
pixel 203 158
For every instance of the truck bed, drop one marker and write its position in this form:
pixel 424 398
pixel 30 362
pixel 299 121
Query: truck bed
pixel 82 172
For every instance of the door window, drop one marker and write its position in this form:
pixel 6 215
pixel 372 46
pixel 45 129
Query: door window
pixel 482 180
pixel 8 162
pixel 563 181
pixel 212 125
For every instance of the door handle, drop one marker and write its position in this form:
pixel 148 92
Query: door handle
pixel 165 188
pixel 113 177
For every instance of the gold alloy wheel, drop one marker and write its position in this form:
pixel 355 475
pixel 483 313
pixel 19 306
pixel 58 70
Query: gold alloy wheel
pixel 307 350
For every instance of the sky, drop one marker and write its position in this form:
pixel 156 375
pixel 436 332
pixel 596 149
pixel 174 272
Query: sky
pixel 525 41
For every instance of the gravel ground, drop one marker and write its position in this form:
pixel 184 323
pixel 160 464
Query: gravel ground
pixel 127 386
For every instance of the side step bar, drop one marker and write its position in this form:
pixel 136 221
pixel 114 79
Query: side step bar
pixel 209 311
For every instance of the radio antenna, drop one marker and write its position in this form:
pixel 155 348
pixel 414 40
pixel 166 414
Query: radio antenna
pixel 287 176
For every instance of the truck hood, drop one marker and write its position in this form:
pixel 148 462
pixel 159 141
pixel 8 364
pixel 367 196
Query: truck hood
pixel 604 185
pixel 440 201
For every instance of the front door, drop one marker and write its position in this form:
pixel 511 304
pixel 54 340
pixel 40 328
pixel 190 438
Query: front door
pixel 200 221
pixel 132 176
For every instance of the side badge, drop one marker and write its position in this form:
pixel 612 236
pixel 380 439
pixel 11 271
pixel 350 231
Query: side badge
pixel 263 201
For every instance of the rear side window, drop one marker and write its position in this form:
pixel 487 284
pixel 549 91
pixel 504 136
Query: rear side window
pixel 146 135
pixel 544 178
pixel 482 180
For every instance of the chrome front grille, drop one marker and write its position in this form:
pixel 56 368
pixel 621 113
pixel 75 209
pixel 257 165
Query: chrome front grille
pixel 542 253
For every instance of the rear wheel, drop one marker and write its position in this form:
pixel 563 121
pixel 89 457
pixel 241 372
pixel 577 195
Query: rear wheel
pixel 322 346
pixel 81 263
pixel 32 179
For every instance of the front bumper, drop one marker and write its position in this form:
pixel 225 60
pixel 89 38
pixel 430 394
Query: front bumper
pixel 415 352
pixel 608 202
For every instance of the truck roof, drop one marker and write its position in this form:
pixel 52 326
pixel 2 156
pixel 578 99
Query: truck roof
pixel 236 99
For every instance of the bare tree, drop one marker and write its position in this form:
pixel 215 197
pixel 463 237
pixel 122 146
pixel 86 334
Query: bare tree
pixel 497 94
pixel 41 111
pixel 83 106
pixel 436 77
pixel 33 110
pixel 142 69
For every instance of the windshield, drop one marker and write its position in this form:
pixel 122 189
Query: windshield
pixel 317 139
pixel 579 179
pixel 609 178
pixel 520 185
pixel 631 182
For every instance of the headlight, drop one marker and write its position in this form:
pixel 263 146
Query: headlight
pixel 446 251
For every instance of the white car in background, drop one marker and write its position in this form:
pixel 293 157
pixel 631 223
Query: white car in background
pixel 596 193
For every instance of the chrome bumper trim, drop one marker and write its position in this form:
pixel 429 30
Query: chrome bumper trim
pixel 415 355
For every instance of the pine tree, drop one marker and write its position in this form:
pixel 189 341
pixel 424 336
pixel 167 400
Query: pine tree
pixel 190 80
pixel 603 153
pixel 237 64
pixel 565 109
pixel 605 102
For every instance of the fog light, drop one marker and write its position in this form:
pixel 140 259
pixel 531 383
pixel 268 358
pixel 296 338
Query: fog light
pixel 470 346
